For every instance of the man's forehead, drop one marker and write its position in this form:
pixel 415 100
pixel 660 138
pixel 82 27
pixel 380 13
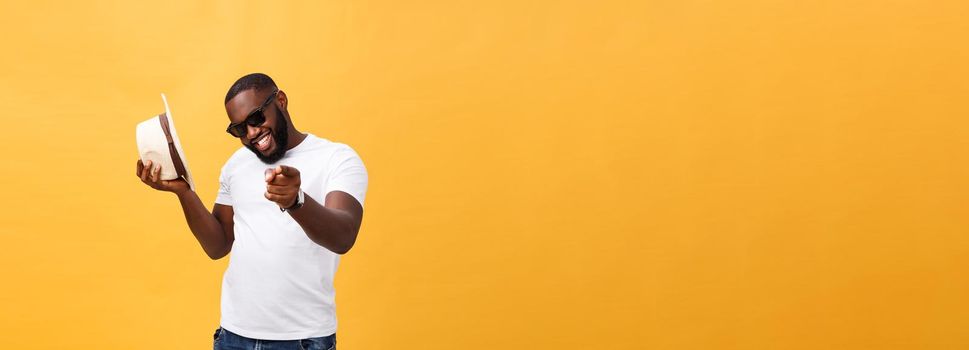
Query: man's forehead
pixel 243 103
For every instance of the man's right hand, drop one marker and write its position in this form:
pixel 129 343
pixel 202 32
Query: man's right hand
pixel 150 174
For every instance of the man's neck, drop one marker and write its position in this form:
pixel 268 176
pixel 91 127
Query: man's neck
pixel 295 138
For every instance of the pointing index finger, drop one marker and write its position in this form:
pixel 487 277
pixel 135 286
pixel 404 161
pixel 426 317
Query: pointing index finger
pixel 286 170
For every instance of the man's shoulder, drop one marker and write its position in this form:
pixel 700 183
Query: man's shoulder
pixel 322 145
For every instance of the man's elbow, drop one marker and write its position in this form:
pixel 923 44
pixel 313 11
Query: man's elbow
pixel 349 238
pixel 343 249
pixel 216 255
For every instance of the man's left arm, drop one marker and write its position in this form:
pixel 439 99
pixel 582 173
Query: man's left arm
pixel 333 224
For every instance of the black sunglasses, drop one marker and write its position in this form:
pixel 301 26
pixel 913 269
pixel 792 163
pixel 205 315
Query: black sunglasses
pixel 255 118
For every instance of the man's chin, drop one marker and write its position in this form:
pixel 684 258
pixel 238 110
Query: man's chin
pixel 271 155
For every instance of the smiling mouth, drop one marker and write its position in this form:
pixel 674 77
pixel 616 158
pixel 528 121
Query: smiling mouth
pixel 263 142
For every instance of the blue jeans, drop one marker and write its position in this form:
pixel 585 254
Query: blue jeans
pixel 225 340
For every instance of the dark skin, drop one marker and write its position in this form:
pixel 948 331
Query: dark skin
pixel 333 224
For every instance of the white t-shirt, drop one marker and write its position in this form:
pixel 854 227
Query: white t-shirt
pixel 279 283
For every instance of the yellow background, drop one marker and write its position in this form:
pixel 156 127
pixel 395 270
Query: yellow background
pixel 543 174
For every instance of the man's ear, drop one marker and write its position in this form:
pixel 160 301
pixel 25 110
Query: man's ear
pixel 282 100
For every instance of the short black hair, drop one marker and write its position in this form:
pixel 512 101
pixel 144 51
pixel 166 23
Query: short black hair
pixel 256 81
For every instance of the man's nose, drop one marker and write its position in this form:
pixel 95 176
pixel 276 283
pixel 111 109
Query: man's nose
pixel 252 131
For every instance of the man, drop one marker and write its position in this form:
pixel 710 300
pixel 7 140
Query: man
pixel 289 204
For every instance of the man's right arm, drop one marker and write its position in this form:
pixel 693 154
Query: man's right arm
pixel 214 230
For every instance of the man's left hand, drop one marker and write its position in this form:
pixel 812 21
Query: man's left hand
pixel 282 185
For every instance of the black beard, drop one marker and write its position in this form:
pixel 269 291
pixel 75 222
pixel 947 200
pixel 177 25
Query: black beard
pixel 280 136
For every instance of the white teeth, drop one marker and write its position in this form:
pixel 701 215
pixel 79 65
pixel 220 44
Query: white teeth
pixel 263 140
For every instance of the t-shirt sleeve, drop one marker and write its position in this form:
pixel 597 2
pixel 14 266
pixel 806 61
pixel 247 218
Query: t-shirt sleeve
pixel 347 174
pixel 224 196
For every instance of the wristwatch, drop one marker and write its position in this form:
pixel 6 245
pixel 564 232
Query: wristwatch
pixel 300 199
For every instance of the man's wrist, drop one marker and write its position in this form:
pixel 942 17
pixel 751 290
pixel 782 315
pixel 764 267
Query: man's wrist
pixel 297 202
